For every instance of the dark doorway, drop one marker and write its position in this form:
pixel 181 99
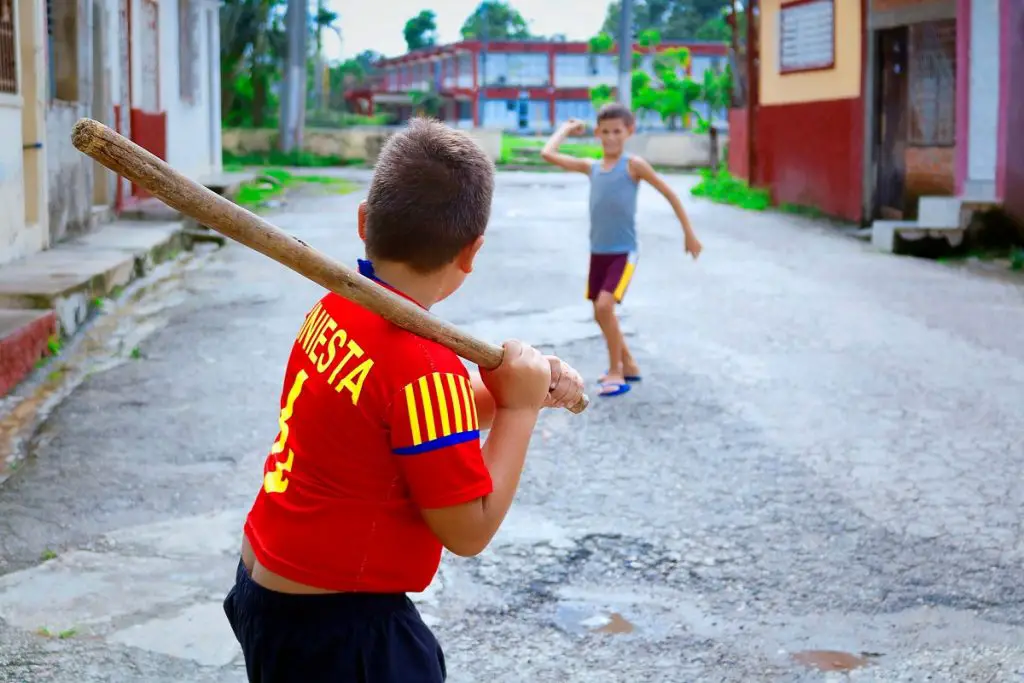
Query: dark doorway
pixel 891 110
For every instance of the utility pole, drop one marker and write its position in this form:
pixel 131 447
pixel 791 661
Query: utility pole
pixel 482 94
pixel 321 65
pixel 293 100
pixel 626 54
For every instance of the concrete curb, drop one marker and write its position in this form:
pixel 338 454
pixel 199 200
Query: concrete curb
pixel 50 295
pixel 97 345
pixel 70 278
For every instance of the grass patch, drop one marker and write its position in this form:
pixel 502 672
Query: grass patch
pixel 801 210
pixel 54 346
pixel 523 150
pixel 1017 259
pixel 724 188
pixel 277 158
pixel 276 182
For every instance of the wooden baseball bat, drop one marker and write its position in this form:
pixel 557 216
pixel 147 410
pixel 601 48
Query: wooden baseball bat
pixel 127 159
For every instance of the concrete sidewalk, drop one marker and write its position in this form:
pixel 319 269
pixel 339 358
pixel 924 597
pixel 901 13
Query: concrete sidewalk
pixel 52 293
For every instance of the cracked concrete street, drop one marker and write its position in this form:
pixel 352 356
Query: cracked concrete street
pixel 824 454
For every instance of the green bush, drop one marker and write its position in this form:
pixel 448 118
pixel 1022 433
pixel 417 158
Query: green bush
pixel 724 188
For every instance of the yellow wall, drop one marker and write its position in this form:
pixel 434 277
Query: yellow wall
pixel 839 82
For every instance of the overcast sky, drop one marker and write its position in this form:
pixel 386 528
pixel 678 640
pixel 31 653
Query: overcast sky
pixel 377 24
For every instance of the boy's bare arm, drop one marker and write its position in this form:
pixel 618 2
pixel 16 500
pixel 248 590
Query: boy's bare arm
pixel 466 529
pixel 551 154
pixel 642 170
pixel 518 390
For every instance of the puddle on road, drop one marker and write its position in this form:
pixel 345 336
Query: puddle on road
pixel 831 660
pixel 579 619
pixel 616 624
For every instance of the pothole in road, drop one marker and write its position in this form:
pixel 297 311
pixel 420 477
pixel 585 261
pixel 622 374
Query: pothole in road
pixel 832 660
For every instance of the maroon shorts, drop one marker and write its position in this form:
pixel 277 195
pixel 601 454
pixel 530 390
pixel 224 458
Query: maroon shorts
pixel 610 273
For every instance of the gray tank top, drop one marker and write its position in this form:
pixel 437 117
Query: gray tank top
pixel 612 209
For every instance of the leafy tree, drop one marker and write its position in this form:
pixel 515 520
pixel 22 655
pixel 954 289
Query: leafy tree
pixel 601 43
pixel 666 90
pixel 673 19
pixel 253 51
pixel 715 30
pixel 421 30
pixel 497 20
pixel 349 74
pixel 426 102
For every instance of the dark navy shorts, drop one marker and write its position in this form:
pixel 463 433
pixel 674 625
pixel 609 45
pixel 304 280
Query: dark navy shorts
pixel 335 638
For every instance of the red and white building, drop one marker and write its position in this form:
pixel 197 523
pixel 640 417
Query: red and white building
pixel 520 85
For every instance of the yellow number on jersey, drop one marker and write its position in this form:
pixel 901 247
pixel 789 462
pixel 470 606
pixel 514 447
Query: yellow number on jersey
pixel 274 481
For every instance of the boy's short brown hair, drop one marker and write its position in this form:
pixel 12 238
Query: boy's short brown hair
pixel 430 196
pixel 615 110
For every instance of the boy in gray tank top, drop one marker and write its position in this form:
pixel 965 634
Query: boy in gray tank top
pixel 614 182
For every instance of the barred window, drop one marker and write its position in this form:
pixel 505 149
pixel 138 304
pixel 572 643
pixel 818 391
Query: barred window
pixel 8 49
pixel 188 50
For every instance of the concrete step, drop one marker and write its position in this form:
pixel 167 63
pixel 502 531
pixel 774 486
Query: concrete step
pixel 101 215
pixel 24 339
pixel 883 233
pixel 226 183
pixel 939 213
pixel 150 209
pixel 894 236
pixel 69 278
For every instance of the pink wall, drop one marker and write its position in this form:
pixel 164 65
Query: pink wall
pixel 963 90
pixel 1010 167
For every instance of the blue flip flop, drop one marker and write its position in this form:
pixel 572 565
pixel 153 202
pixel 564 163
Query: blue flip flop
pixel 632 379
pixel 620 389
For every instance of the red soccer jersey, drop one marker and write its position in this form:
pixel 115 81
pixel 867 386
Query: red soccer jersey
pixel 375 425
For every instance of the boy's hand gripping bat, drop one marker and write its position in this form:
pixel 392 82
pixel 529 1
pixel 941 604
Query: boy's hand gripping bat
pixel 125 158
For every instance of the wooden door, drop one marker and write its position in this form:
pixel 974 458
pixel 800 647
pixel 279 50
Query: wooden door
pixel 891 110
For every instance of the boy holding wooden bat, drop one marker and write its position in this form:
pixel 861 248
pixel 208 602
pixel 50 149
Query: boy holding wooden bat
pixel 614 183
pixel 378 463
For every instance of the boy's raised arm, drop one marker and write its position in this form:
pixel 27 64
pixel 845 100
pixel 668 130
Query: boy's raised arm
pixel 551 154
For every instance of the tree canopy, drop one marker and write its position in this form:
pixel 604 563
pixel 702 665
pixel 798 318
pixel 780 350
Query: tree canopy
pixel 495 20
pixel 252 49
pixel 665 89
pixel 674 19
pixel 421 30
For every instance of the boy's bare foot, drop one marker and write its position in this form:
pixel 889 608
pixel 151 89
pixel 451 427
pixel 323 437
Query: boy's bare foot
pixel 613 384
pixel 630 373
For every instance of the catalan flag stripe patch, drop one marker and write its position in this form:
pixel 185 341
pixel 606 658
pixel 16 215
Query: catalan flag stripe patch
pixel 441 413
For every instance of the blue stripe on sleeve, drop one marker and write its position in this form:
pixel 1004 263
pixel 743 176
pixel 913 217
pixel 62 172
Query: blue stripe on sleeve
pixel 450 440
